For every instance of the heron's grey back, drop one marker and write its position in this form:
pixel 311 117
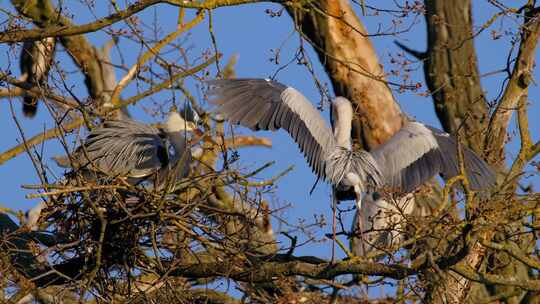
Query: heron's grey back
pixel 342 161
pixel 124 148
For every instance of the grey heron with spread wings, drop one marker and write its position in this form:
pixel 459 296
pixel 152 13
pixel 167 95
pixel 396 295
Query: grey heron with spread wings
pixel 408 159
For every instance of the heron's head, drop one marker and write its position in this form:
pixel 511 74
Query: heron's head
pixel 175 123
pixel 189 114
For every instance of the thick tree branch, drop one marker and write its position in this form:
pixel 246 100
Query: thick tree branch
pixel 194 295
pixel 513 250
pixel 64 30
pixel 212 4
pixel 37 139
pixel 61 31
pixel 491 279
pixel 26 88
pixel 271 270
pixel 527 150
pixel 267 271
pixel 451 72
pixel 284 265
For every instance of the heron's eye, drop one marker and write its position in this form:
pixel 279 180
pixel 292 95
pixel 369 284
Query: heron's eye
pixel 171 150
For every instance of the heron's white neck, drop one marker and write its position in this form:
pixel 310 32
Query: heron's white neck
pixel 175 123
pixel 343 114
pixel 176 128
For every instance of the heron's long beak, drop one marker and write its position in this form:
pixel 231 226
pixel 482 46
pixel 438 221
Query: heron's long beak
pixel 200 135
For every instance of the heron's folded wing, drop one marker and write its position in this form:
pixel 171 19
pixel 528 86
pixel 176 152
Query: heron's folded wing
pixel 261 104
pixel 125 148
pixel 417 152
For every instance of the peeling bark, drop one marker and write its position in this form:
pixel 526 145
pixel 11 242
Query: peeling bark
pixel 337 36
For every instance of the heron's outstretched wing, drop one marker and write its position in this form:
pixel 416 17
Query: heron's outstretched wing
pixel 261 104
pixel 124 148
pixel 479 173
pixel 418 152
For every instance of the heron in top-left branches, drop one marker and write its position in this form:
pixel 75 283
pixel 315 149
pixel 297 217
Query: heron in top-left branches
pixel 35 62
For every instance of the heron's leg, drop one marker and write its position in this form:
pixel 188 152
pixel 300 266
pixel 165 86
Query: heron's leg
pixel 358 193
pixel 334 206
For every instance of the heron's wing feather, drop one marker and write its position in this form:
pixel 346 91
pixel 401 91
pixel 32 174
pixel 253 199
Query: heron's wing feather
pixel 124 147
pixel 479 173
pixel 417 152
pixel 261 104
pixel 178 164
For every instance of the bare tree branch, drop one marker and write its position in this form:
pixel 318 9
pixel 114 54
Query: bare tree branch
pixel 516 88
pixel 65 30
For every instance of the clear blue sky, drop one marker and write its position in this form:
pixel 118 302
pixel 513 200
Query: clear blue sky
pixel 249 32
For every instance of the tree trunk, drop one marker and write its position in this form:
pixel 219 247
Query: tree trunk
pixel 451 71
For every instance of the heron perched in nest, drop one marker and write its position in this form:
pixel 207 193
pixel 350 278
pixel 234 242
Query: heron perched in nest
pixel 135 151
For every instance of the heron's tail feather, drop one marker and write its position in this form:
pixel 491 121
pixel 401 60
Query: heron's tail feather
pixel 30 105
